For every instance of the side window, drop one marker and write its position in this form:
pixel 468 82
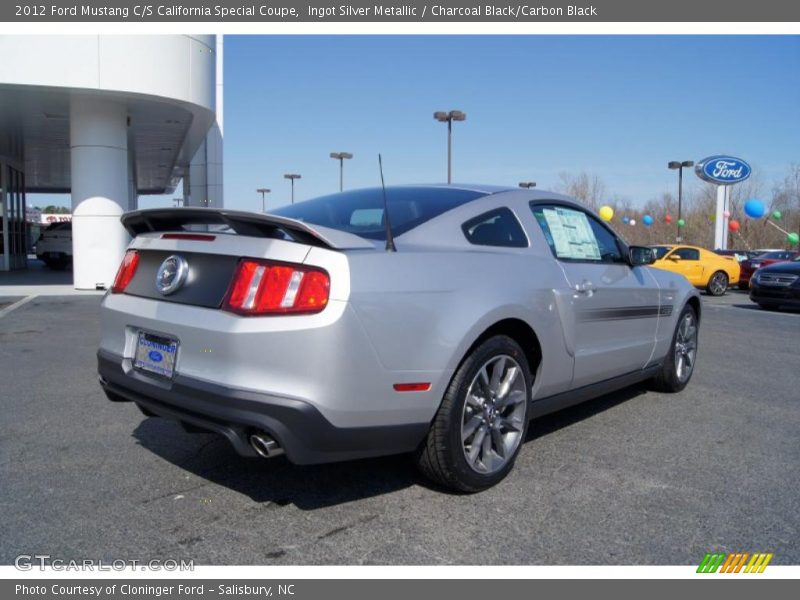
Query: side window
pixel 497 227
pixel 688 253
pixel 574 235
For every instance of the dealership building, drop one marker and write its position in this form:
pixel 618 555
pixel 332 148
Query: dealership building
pixel 106 119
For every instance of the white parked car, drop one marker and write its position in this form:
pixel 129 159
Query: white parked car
pixel 54 246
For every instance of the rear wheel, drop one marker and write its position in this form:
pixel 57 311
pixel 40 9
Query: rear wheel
pixel 479 428
pixel 718 284
pixel 679 362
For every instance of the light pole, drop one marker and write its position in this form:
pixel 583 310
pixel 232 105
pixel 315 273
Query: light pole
pixel 341 156
pixel 449 117
pixel 676 164
pixel 527 184
pixel 263 192
pixel 291 177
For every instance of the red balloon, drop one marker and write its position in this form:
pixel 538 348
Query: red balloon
pixel 668 219
pixel 733 225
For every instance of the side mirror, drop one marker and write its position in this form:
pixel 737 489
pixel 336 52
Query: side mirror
pixel 674 257
pixel 641 255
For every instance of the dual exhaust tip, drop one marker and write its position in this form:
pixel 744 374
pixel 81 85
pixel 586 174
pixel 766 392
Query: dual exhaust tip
pixel 265 445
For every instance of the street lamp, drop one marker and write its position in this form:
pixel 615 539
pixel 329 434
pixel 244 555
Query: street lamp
pixel 263 192
pixel 341 156
pixel 291 177
pixel 676 164
pixel 527 184
pixel 449 117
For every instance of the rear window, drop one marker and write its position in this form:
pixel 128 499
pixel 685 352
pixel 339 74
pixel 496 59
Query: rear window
pixel 361 211
pixel 661 251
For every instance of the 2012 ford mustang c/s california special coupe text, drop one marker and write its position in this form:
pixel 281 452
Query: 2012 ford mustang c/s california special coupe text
pixel 324 332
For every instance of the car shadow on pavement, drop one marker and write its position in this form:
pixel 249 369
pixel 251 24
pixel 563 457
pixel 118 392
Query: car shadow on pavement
pixel 756 307
pixel 274 480
pixel 309 487
pixel 548 424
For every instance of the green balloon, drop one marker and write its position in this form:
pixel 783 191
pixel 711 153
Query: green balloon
pixel 793 238
pixel 681 222
pixel 776 215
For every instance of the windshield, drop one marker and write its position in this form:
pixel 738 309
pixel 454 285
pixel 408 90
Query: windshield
pixel 361 211
pixel 661 251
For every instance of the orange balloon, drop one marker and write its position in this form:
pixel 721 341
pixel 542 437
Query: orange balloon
pixel 733 225
pixel 668 219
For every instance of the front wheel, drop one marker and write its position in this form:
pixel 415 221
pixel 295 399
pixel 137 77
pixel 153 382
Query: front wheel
pixel 718 284
pixel 679 362
pixel 479 428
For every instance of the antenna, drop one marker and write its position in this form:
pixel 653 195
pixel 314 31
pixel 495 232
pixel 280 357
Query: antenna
pixel 390 247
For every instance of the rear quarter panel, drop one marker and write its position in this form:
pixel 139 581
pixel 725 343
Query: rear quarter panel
pixel 423 310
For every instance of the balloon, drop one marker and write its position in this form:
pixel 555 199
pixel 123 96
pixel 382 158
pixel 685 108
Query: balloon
pixel 793 238
pixel 668 219
pixel 726 214
pixel 776 215
pixel 625 220
pixel 632 222
pixel 733 225
pixel 681 222
pixel 606 213
pixel 754 209
pixel 647 220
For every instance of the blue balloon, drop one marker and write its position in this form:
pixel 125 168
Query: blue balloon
pixel 754 209
pixel 625 220
pixel 647 220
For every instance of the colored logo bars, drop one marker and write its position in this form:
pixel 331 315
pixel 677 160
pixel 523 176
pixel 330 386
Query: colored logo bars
pixel 734 562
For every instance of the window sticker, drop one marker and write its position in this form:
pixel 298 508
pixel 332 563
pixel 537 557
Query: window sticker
pixel 572 234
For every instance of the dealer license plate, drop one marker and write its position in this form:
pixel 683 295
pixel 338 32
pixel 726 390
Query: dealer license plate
pixel 155 354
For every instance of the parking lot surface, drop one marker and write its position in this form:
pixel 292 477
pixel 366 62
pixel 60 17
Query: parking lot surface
pixel 635 477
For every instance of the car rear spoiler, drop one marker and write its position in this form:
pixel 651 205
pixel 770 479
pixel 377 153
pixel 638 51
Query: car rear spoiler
pixel 243 223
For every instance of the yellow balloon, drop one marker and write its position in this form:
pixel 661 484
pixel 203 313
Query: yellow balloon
pixel 606 213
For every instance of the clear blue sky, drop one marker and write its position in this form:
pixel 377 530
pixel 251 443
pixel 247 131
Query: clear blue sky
pixel 616 106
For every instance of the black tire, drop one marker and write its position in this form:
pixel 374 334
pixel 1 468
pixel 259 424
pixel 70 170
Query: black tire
pixel 58 264
pixel 667 379
pixel 713 289
pixel 441 456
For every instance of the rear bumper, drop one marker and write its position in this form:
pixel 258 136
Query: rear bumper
pixel 301 430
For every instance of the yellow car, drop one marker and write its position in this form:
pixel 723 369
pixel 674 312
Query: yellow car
pixel 703 268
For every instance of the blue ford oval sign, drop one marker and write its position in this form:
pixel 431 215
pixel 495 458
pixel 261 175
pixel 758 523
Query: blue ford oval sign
pixel 722 170
pixel 156 356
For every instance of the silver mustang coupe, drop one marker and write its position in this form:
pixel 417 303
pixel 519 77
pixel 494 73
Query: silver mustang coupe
pixel 436 320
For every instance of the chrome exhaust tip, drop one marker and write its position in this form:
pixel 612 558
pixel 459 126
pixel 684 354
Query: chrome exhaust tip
pixel 265 446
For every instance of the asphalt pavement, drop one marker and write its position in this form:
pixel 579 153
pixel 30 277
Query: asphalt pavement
pixel 636 477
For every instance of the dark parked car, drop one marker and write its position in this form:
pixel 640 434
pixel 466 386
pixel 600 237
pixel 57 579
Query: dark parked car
pixel 777 285
pixel 762 260
pixel 739 255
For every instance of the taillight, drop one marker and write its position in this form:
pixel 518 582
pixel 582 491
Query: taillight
pixel 126 271
pixel 262 287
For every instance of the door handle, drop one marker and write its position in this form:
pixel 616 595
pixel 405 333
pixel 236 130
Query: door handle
pixel 585 288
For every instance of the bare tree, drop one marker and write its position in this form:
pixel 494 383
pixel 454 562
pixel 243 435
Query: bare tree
pixel 588 189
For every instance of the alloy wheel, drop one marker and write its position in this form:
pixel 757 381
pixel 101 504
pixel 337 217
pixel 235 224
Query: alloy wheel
pixel 493 416
pixel 685 347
